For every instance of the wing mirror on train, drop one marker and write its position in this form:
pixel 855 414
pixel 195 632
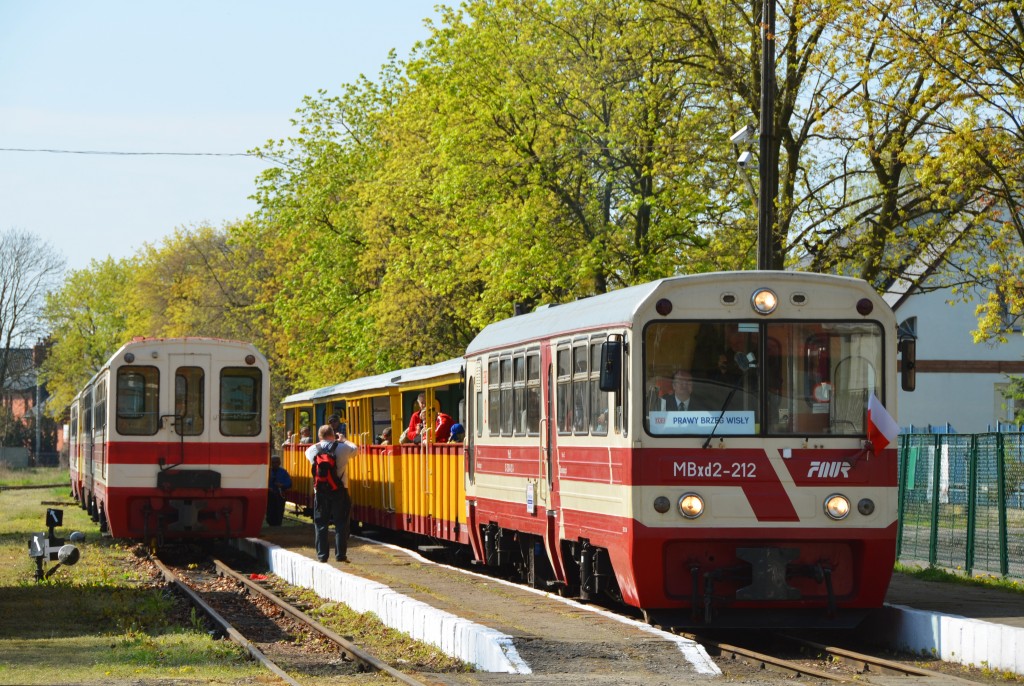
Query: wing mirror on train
pixel 908 363
pixel 611 366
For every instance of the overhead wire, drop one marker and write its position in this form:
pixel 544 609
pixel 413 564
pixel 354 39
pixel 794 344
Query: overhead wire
pixel 129 153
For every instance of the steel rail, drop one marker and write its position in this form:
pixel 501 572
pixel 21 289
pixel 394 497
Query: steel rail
pixel 347 647
pixel 765 661
pixel 866 664
pixel 223 623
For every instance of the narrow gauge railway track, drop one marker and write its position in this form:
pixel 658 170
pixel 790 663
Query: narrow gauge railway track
pixel 207 592
pixel 834 664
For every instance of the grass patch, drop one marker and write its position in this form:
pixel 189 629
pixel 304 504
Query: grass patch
pixel 33 476
pixel 103 620
pixel 944 575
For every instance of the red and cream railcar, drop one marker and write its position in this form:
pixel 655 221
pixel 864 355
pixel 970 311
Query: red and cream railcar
pixel 170 440
pixel 762 502
pixel 413 488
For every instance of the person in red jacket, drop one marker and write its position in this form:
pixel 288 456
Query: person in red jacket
pixel 443 427
pixel 412 433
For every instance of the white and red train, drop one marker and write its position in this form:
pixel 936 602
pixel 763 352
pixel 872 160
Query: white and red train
pixel 763 502
pixel 170 440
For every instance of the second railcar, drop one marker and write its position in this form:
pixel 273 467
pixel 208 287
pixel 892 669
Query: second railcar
pixel 171 440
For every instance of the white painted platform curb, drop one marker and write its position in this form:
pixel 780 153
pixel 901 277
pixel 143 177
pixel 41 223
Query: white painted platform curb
pixel 485 648
pixel 953 638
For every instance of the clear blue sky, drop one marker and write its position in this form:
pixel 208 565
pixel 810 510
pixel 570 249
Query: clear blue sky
pixel 207 76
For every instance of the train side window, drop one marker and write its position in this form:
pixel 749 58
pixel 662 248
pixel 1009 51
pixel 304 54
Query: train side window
pixel 564 391
pixel 507 406
pixel 519 394
pixel 138 401
pixel 493 398
pixel 533 393
pixel 101 405
pixel 580 387
pixel 598 398
pixel 87 412
pixel 240 392
pixel 189 401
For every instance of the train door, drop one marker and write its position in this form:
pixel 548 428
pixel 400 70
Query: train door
pixel 554 368
pixel 89 476
pixel 190 426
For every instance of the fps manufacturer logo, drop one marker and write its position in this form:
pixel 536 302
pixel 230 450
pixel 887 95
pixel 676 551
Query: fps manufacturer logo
pixel 828 470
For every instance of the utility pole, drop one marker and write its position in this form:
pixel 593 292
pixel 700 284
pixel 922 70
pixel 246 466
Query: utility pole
pixel 768 165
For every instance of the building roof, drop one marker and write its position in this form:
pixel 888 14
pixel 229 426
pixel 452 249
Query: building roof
pixel 21 372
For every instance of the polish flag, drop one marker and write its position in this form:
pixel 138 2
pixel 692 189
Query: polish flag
pixel 882 428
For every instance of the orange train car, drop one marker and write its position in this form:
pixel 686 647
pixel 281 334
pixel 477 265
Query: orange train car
pixel 416 488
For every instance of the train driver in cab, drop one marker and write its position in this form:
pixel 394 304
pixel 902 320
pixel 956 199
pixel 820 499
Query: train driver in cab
pixel 681 398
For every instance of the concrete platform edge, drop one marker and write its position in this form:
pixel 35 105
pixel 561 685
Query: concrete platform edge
pixel 951 638
pixel 485 648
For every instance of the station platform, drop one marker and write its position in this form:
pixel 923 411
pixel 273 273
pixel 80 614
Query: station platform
pixel 969 625
pixel 499 628
pixel 507 629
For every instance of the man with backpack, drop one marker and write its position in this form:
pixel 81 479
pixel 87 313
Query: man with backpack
pixel 331 503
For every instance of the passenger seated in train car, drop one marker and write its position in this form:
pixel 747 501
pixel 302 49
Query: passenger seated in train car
pixel 458 433
pixel 304 436
pixel 413 434
pixel 339 427
pixel 442 424
pixel 290 440
pixel 385 436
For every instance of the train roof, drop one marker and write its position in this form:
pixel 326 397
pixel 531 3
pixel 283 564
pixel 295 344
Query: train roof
pixel 182 342
pixel 394 379
pixel 608 309
pixel 618 308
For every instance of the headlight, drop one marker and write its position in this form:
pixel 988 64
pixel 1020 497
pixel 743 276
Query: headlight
pixel 691 505
pixel 837 506
pixel 662 504
pixel 764 301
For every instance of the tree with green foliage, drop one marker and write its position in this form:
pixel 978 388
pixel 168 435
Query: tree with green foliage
pixel 89 318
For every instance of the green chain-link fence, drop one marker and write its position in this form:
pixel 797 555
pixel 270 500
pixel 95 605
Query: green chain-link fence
pixel 962 502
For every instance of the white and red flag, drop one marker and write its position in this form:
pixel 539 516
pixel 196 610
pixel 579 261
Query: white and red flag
pixel 882 428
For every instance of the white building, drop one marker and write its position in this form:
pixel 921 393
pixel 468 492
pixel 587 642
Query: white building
pixel 959 382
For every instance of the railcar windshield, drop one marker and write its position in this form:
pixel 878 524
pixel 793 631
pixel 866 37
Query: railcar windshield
pixel 240 392
pixel 760 378
pixel 138 395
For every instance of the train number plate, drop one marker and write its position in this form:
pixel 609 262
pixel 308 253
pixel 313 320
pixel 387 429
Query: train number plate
pixel 714 470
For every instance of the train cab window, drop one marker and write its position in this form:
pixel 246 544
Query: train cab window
pixel 493 397
pixel 806 378
pixel 74 422
pixel 580 388
pixel 138 401
pixel 598 398
pixel 563 398
pixel 189 400
pixel 826 375
pixel 533 397
pixel 240 392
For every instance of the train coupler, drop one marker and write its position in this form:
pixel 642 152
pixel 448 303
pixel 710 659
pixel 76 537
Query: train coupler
pixel 768 574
